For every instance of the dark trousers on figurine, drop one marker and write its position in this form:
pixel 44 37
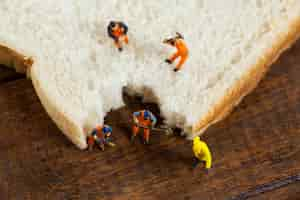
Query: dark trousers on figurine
pixel 196 161
pixel 183 58
pixel 135 131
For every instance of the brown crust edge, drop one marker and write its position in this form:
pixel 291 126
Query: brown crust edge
pixel 249 81
pixel 13 59
pixel 67 126
pixel 22 64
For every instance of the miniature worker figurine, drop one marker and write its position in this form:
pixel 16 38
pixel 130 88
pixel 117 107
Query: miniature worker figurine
pixel 201 153
pixel 143 119
pixel 118 32
pixel 182 50
pixel 101 136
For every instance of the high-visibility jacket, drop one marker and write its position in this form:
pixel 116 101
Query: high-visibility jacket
pixel 202 152
pixel 145 118
pixel 181 47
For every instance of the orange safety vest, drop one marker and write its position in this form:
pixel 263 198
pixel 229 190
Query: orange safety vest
pixel 181 47
pixel 143 122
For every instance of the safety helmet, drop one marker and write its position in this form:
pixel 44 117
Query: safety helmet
pixel 112 24
pixel 146 114
pixel 107 129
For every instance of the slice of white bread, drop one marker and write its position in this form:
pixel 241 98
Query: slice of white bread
pixel 78 73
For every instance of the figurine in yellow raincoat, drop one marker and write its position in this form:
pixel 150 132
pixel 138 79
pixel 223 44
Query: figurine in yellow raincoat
pixel 201 153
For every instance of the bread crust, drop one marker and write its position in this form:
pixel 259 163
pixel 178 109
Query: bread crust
pixel 12 58
pixel 248 81
pixel 69 128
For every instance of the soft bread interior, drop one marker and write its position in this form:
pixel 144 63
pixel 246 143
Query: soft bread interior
pixel 79 74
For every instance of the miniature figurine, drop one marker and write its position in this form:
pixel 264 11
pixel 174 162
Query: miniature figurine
pixel 143 119
pixel 101 136
pixel 201 153
pixel 118 32
pixel 182 50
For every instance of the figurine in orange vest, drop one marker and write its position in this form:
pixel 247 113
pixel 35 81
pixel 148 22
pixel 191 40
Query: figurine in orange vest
pixel 101 136
pixel 118 32
pixel 182 50
pixel 143 119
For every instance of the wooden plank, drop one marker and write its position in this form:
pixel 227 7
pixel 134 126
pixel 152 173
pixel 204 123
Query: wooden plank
pixel 256 145
pixel 8 74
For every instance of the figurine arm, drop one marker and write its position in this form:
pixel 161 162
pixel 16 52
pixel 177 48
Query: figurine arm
pixel 94 132
pixel 135 115
pixel 170 41
pixel 153 119
pixel 125 28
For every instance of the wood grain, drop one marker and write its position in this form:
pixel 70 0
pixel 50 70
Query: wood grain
pixel 290 192
pixel 258 144
pixel 280 188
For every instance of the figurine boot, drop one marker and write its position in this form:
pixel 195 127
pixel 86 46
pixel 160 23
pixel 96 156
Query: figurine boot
pixel 168 61
pixel 132 138
pixel 195 162
pixel 101 145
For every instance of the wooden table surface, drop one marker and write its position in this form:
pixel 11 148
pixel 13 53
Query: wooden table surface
pixel 256 150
